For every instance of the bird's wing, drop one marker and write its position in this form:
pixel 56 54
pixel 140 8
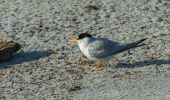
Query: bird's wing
pixel 123 47
pixel 102 48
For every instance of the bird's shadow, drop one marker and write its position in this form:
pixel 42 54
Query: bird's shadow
pixel 143 63
pixel 22 57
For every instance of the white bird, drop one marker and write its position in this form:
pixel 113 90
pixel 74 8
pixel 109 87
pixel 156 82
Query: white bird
pixel 100 49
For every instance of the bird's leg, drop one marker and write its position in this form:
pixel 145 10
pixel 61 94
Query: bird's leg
pixel 99 64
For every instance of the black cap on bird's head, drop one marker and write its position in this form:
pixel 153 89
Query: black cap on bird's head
pixel 80 37
pixel 83 35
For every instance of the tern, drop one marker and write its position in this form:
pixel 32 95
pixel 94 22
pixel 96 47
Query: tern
pixel 100 49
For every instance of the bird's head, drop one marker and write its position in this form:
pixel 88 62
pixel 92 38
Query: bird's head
pixel 83 40
pixel 81 37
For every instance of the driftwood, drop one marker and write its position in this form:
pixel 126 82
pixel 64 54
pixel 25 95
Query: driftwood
pixel 7 49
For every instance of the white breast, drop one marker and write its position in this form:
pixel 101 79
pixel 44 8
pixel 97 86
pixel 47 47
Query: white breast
pixel 83 45
pixel 87 54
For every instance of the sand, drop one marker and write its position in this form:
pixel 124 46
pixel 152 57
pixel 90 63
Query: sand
pixel 49 68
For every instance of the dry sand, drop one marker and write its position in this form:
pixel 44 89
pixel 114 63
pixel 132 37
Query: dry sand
pixel 49 68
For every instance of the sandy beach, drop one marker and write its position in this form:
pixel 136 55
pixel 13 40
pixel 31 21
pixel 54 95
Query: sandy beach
pixel 48 67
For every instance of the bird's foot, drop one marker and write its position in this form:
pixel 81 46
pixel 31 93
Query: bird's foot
pixel 99 64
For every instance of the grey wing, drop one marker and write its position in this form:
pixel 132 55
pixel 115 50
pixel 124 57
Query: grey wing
pixel 102 48
pixel 123 47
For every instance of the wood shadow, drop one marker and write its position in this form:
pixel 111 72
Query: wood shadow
pixel 22 57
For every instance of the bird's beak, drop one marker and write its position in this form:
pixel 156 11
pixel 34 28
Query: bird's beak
pixel 73 40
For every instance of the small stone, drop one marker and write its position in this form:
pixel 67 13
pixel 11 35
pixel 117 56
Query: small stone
pixel 167 51
pixel 156 34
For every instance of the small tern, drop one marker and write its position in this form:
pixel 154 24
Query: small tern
pixel 100 49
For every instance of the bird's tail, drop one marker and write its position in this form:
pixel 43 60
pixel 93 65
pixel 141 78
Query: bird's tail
pixel 132 45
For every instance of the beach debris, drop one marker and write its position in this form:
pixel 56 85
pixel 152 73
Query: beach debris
pixel 130 53
pixel 75 88
pixel 7 49
pixel 91 7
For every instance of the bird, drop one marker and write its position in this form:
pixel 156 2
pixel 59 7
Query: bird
pixel 101 49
